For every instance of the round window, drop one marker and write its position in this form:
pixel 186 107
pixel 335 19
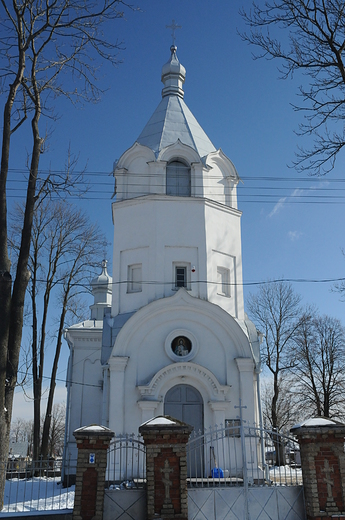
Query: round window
pixel 181 346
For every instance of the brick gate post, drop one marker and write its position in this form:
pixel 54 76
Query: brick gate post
pixel 321 442
pixel 165 439
pixel 92 444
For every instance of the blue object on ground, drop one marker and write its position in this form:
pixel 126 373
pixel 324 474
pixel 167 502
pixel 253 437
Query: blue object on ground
pixel 217 473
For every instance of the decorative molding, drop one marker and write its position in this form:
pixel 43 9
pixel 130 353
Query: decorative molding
pixel 218 406
pixel 136 150
pixel 224 163
pixel 188 371
pixel 181 332
pixel 245 364
pixel 148 405
pixel 179 150
pixel 118 364
pixel 89 340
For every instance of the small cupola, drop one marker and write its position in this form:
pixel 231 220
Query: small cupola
pixel 101 288
pixel 173 76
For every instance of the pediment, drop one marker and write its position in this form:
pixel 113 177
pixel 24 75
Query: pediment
pixel 169 375
pixel 224 164
pixel 150 317
pixel 178 150
pixel 134 152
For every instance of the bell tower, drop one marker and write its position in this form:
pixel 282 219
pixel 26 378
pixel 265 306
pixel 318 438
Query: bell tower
pixel 176 222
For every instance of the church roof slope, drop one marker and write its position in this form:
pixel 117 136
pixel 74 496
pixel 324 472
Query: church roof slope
pixel 172 120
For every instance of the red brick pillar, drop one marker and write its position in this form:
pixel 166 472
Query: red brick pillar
pixel 323 466
pixel 92 444
pixel 166 467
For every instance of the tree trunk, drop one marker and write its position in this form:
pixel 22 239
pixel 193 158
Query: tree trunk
pixel 279 447
pixel 6 392
pixel 48 416
pixel 277 440
pixel 35 379
pixel 5 414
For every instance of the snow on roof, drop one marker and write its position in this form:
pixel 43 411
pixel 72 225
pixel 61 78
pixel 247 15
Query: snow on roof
pixel 158 421
pixel 92 428
pixel 87 324
pixel 317 422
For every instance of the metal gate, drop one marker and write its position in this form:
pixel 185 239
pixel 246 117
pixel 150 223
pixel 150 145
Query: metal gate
pixel 248 473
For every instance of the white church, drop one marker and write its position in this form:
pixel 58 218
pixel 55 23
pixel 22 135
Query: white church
pixel 168 333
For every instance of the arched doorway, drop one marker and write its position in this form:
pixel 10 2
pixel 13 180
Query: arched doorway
pixel 185 403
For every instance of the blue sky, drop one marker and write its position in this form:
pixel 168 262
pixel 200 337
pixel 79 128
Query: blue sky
pixel 244 109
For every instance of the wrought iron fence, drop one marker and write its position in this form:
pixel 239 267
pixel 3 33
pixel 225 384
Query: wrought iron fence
pixel 233 455
pixel 36 485
pixel 236 455
pixel 126 463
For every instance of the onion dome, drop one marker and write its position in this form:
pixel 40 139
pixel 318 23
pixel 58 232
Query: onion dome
pixel 101 288
pixel 173 75
pixel 172 119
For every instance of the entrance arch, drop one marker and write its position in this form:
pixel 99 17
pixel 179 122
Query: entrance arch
pixel 185 403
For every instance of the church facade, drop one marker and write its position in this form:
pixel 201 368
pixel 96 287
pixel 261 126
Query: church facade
pixel 168 333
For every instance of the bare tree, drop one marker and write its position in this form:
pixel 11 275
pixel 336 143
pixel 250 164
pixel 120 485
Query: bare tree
pixel 57 431
pixel 319 371
pixel 82 245
pixel 21 430
pixel 38 41
pixel 275 310
pixel 64 252
pixel 313 42
pixel 288 413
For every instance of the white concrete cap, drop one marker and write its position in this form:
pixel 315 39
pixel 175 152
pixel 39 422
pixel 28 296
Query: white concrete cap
pixel 317 422
pixel 158 421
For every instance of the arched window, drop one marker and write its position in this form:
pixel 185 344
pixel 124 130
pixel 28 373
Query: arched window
pixel 178 179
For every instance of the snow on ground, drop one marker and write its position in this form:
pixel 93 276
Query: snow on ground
pixel 286 475
pixel 37 494
pixel 43 493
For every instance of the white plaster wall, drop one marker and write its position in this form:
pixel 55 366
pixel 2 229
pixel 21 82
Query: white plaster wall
pixel 142 343
pixel 221 179
pixel 85 400
pixel 223 249
pixel 159 230
pixel 133 173
pixel 139 172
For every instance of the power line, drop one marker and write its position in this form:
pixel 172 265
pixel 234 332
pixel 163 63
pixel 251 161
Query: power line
pixel 65 381
pixel 256 198
pixel 216 189
pixel 209 282
pixel 247 194
pixel 274 178
pixel 261 194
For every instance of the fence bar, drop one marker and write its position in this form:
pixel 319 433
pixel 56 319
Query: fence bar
pixel 126 463
pixel 238 452
pixel 35 485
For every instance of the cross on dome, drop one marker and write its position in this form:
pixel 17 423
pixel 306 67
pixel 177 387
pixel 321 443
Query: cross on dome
pixel 173 28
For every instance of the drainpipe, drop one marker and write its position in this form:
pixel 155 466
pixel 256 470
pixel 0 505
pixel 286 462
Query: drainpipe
pixel 105 396
pixel 262 440
pixel 68 406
